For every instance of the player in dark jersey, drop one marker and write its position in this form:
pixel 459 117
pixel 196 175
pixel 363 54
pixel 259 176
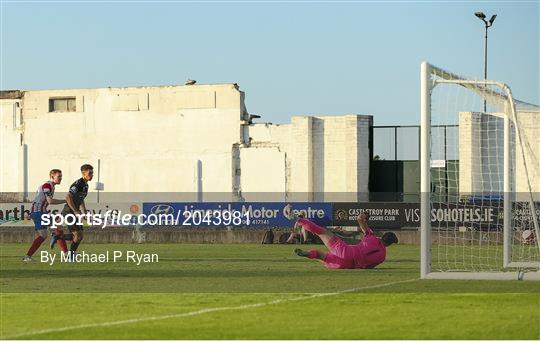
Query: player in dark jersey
pixel 44 197
pixel 75 206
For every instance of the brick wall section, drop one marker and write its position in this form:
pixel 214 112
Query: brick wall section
pixel 327 157
pixel 301 176
pixel 474 151
pixel 530 129
pixel 469 151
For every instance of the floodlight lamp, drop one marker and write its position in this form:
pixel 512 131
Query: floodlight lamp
pixel 480 15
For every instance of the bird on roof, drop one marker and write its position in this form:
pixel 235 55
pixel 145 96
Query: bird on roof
pixel 190 82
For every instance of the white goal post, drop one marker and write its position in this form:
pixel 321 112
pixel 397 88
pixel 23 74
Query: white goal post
pixel 480 180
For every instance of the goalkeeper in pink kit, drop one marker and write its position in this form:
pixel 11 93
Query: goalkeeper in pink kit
pixel 368 253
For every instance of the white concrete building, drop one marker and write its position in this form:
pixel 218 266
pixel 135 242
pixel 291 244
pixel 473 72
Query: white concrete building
pixel 196 139
pixel 481 153
pixel 325 158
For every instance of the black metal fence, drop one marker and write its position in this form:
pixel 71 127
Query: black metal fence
pixel 395 168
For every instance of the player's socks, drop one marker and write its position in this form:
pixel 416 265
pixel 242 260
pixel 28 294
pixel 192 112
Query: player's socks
pixel 35 245
pixel 73 250
pixel 73 247
pixel 54 240
pixel 310 226
pixel 313 254
pixel 63 246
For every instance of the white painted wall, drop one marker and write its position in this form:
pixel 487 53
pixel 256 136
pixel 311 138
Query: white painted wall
pixel 470 160
pixel 530 134
pixel 148 139
pixel 151 139
pixel 481 153
pixel 11 149
pixel 263 171
pixel 327 157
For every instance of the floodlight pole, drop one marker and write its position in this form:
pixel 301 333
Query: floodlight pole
pixel 487 25
pixel 485 59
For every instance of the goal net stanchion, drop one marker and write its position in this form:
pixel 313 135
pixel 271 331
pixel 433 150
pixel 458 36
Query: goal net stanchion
pixel 480 180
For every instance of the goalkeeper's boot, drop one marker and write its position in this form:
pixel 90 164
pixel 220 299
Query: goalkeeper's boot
pixel 301 253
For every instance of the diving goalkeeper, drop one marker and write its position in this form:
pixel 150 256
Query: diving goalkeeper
pixel 368 253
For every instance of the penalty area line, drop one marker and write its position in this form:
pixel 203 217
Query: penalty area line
pixel 202 311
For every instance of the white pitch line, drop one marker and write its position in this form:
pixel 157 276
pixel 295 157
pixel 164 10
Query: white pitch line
pixel 202 311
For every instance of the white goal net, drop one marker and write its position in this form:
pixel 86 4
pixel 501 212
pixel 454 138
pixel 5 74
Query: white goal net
pixel 480 175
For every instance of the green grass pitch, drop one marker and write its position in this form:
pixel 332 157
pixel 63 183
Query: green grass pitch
pixel 253 292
